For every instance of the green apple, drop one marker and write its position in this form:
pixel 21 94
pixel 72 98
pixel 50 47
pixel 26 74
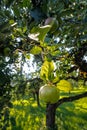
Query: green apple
pixel 49 94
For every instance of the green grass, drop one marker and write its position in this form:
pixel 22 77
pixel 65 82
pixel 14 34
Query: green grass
pixel 26 115
pixel 72 116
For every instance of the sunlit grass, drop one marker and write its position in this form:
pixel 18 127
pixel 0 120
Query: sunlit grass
pixel 26 115
pixel 73 115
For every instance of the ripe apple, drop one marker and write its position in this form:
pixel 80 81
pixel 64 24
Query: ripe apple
pixel 53 22
pixel 49 94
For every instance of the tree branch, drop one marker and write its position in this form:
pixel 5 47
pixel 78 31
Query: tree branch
pixel 70 99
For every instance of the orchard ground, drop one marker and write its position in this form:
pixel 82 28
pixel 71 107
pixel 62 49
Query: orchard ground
pixel 26 115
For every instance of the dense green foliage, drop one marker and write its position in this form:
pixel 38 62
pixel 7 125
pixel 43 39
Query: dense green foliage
pixel 23 35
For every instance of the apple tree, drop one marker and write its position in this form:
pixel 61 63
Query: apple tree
pixel 55 33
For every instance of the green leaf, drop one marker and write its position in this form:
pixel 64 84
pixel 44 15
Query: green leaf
pixel 11 21
pixel 64 85
pixel 46 72
pixel 27 56
pixel 51 66
pixel 16 11
pixel 39 33
pixel 26 3
pixel 55 80
pixel 36 50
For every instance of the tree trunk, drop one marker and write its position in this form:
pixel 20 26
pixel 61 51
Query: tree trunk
pixel 50 116
pixel 38 102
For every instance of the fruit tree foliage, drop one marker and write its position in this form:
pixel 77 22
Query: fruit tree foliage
pixel 23 32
